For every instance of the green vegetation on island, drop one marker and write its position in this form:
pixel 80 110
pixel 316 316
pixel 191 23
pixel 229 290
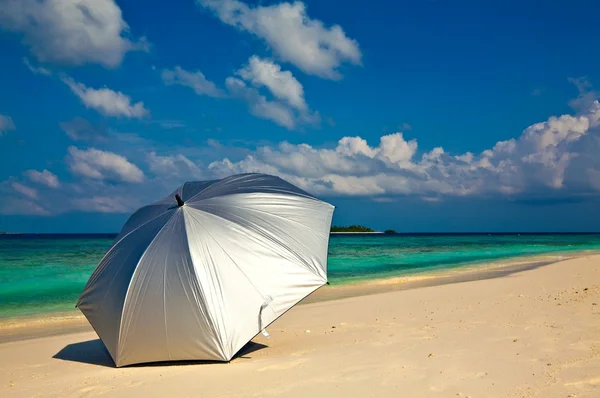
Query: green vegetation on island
pixel 351 228
pixel 358 229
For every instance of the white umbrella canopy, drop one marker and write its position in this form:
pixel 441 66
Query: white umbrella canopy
pixel 198 274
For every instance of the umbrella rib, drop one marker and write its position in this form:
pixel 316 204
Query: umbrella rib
pixel 120 240
pixel 217 182
pixel 281 191
pixel 165 303
pixel 141 225
pixel 234 262
pixel 129 284
pixel 304 267
pixel 212 325
pixel 228 180
pixel 261 211
pixel 310 268
pixel 288 237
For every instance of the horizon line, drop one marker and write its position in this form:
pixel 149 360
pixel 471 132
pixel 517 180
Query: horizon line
pixel 6 233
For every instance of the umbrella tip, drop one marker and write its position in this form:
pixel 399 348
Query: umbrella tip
pixel 179 200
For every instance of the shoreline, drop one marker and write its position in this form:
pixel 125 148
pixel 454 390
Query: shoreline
pixel 357 233
pixel 59 323
pixel 529 333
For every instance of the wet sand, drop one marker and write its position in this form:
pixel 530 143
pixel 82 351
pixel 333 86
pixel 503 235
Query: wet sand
pixel 519 330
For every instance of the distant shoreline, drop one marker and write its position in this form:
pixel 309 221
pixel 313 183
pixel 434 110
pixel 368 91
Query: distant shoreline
pixel 355 233
pixel 26 327
pixel 71 235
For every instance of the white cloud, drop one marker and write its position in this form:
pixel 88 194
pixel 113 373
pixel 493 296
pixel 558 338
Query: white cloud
pixel 195 80
pixel 259 105
pixel 282 84
pixel 12 206
pixel 25 190
pixel 175 166
pixel 214 143
pixel 292 35
pixel 558 155
pixel 557 158
pixel 6 124
pixel 71 32
pixel 355 145
pixel 43 177
pixel 383 199
pixel 106 101
pixel 100 165
pixel 36 70
pixel 396 150
pixel 586 94
pixel 101 204
pixel 288 108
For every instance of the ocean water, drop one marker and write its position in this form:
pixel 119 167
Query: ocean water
pixel 46 273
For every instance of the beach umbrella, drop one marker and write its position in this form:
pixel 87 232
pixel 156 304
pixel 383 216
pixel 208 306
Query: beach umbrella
pixel 197 275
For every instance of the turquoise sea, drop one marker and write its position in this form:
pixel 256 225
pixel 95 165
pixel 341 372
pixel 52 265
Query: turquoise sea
pixel 46 273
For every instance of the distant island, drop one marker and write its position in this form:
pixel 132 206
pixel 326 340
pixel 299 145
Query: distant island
pixel 351 228
pixel 357 229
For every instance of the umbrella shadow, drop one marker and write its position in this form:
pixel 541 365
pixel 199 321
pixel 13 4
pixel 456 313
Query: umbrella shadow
pixel 93 352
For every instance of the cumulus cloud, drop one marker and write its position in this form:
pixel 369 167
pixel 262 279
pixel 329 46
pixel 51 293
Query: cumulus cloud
pixel 586 94
pixel 43 177
pixel 292 35
pixel 558 155
pixel 288 108
pixel 195 80
pixel 106 101
pixel 71 32
pixel 259 105
pixel 12 206
pixel 6 124
pixel 25 190
pixel 102 165
pixel 101 204
pixel 178 166
pixel 17 198
pixel 551 160
pixel 282 84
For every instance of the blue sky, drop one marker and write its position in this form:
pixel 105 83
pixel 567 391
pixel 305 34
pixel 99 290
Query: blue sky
pixel 412 115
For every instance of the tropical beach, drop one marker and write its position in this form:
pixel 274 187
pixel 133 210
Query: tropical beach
pixel 244 198
pixel 524 331
pixel 46 273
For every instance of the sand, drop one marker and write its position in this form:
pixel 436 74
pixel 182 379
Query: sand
pixel 533 332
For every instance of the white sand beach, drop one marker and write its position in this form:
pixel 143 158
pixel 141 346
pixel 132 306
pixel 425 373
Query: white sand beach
pixel 528 333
